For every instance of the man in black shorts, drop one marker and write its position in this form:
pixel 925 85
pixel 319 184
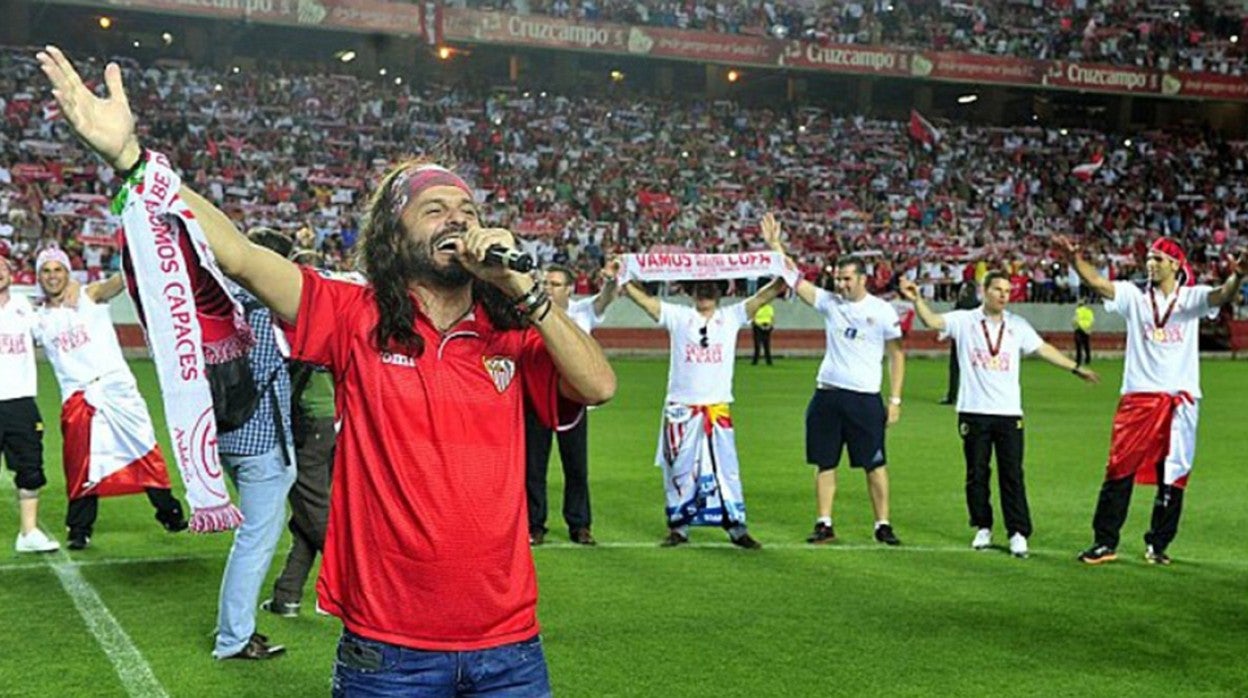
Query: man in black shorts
pixel 846 410
pixel 21 427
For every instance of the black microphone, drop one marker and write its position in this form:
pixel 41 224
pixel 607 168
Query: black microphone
pixel 513 259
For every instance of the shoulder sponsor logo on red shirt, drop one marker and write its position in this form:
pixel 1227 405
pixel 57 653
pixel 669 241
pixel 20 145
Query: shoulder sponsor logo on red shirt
pixel 501 369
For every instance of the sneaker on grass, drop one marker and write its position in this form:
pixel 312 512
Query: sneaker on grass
pixel 1018 546
pixel 983 539
pixel 35 541
pixel 1154 556
pixel 884 534
pixel 1098 555
pixel 823 534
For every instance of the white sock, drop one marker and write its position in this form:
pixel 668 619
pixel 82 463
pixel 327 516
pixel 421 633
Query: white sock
pixel 825 520
pixel 881 523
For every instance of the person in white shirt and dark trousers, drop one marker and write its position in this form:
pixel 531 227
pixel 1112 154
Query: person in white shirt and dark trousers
pixel 587 313
pixel 991 343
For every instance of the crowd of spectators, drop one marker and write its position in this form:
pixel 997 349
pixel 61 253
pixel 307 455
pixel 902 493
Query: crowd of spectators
pixel 582 178
pixel 1196 35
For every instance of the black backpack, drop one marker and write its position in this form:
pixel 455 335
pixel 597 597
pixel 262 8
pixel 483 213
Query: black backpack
pixel 234 392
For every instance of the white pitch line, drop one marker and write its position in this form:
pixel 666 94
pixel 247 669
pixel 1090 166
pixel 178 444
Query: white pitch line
pixel 726 545
pixel 135 673
pixel 109 561
pixel 133 670
pixel 832 548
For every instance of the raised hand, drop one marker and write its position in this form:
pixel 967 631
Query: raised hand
pixel 473 248
pixel 908 289
pixel 106 125
pixel 1239 265
pixel 610 271
pixel 771 233
pixel 1067 246
pixel 1087 375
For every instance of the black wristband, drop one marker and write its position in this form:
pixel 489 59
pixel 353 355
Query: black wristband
pixel 1075 371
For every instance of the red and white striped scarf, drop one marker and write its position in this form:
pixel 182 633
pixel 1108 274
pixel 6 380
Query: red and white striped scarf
pixel 176 332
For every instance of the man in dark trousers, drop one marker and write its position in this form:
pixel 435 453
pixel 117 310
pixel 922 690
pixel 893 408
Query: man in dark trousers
pixel 312 426
pixel 587 313
pixel 967 299
pixel 1083 321
pixel 764 323
pixel 991 344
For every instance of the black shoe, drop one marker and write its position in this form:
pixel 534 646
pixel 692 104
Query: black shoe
pixel 284 609
pixel 884 534
pixel 1098 555
pixel 582 536
pixel 1156 557
pixel 747 541
pixel 823 534
pixel 673 539
pixel 172 519
pixel 258 647
pixel 537 538
pixel 78 540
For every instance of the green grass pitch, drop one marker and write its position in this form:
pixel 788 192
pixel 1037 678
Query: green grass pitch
pixel 631 619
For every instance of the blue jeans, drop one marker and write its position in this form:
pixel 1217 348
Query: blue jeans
pixel 263 482
pixel 370 669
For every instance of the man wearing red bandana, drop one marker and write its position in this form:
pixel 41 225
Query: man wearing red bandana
pixel 435 358
pixel 1154 434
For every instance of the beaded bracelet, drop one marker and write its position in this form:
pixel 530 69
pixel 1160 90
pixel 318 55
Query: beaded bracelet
pixel 531 301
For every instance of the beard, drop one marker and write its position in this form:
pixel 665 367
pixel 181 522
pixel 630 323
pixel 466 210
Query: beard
pixel 416 264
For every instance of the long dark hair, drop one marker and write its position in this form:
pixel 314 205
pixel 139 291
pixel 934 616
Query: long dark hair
pixel 383 239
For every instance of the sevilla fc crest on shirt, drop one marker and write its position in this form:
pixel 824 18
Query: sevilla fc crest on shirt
pixel 501 369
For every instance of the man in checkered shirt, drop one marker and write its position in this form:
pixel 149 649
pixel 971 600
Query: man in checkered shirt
pixel 259 459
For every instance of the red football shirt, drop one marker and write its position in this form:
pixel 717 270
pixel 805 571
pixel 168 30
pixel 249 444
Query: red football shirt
pixel 427 545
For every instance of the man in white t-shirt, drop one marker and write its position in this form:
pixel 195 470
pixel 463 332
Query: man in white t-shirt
pixel 573 440
pixel 990 345
pixel 109 443
pixel 846 413
pixel 1154 434
pixel 21 427
pixel 697 447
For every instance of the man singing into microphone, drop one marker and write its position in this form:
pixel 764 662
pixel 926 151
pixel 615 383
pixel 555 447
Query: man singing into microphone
pixel 427 559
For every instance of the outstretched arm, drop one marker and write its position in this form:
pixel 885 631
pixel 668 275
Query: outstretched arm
pixel 763 296
pixel 910 292
pixel 610 287
pixel 1050 353
pixel 106 125
pixel 1088 273
pixel 771 235
pixel 270 277
pixel 106 290
pixel 1230 288
pixel 637 294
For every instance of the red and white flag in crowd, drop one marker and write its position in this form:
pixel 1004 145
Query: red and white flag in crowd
pixel 431 22
pixel 1085 171
pixel 923 131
